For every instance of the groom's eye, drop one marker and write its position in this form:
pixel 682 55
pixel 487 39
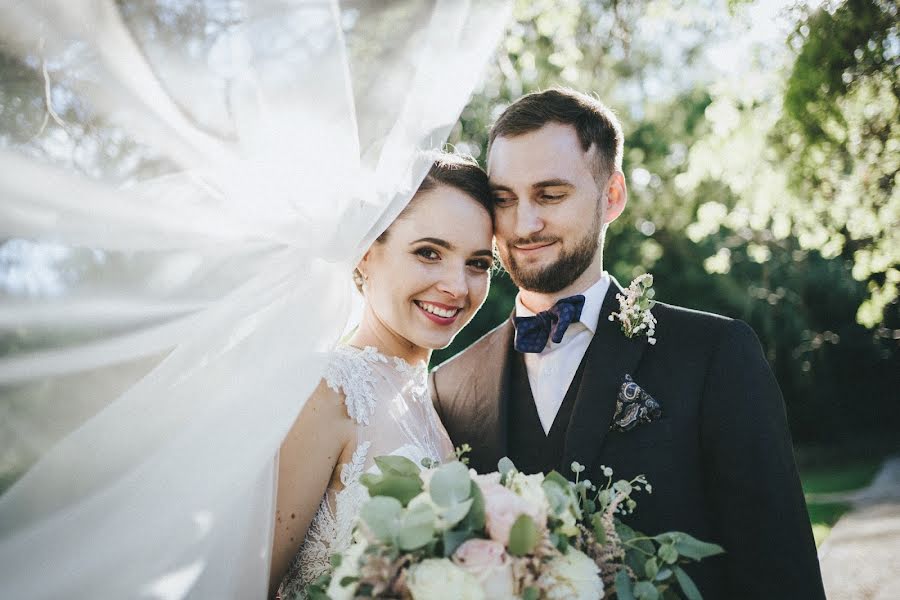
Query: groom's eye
pixel 552 197
pixel 504 200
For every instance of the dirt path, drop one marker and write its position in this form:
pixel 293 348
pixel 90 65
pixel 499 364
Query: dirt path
pixel 860 559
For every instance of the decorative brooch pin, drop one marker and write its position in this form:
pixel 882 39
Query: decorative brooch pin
pixel 634 309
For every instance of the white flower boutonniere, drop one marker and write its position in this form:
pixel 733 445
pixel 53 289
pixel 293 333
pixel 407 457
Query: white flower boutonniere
pixel 634 309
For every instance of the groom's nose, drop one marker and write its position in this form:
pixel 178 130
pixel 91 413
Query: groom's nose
pixel 528 219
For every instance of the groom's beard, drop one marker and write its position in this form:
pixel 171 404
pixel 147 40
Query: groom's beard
pixel 559 274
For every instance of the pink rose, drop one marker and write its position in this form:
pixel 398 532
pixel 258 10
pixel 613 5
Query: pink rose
pixel 487 561
pixel 501 509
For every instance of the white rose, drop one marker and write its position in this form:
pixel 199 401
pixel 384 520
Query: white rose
pixel 529 488
pixel 572 576
pixel 440 579
pixel 349 567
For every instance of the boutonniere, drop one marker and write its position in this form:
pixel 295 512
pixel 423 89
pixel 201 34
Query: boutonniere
pixel 634 309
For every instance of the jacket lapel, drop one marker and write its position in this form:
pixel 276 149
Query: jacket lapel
pixel 609 357
pixel 489 399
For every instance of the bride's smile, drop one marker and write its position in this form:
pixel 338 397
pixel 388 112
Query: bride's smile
pixel 429 273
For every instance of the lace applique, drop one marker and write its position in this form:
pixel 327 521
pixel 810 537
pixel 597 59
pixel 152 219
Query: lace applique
pixel 350 372
pixel 417 375
pixel 351 472
pixel 330 531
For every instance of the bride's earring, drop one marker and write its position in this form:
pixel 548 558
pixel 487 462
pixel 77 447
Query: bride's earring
pixel 360 280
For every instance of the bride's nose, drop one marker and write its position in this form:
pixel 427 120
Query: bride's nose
pixel 453 282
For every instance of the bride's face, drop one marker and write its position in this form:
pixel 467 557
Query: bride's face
pixel 429 277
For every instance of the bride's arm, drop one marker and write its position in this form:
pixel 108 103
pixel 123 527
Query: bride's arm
pixel 306 462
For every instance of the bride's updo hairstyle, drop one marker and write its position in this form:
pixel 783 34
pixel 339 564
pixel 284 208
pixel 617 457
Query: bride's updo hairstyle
pixel 454 170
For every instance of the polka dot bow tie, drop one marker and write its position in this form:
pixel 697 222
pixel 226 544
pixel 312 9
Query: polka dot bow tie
pixel 532 332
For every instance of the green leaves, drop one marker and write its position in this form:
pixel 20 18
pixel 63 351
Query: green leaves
pixel 687 584
pixel 688 546
pixel 382 516
pixel 401 487
pixel 399 479
pixel 397 465
pixel 416 527
pixel 450 484
pixel 523 536
pixel 623 586
pixel 644 590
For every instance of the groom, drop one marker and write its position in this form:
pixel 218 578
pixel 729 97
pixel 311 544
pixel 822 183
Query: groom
pixel 696 409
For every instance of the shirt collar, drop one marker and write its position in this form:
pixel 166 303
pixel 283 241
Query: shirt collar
pixel 593 302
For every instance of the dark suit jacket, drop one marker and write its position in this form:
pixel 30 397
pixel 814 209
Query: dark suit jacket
pixel 720 458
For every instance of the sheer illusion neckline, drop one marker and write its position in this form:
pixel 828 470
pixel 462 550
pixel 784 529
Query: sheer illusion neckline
pixel 401 363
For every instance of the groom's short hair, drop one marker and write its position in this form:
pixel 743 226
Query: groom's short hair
pixel 594 122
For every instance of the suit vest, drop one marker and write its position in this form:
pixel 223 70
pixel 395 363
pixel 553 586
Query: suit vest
pixel 530 449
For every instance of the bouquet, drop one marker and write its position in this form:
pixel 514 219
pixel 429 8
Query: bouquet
pixel 446 532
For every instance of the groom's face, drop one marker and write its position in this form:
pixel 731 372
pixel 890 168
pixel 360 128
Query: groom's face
pixel 549 209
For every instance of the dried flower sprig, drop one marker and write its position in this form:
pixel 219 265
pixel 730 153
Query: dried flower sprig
pixel 634 309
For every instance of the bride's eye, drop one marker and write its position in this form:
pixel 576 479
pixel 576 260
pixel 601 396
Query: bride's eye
pixel 427 253
pixel 480 264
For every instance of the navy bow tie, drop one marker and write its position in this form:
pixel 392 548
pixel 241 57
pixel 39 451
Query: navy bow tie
pixel 532 333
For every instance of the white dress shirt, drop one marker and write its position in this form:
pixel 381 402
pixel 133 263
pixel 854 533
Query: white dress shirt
pixel 550 373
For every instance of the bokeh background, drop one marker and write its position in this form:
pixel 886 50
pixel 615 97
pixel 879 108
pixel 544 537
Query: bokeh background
pixel 762 156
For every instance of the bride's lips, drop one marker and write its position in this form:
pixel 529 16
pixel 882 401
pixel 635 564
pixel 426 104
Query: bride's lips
pixel 441 319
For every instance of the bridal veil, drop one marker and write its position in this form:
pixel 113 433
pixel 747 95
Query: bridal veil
pixel 184 190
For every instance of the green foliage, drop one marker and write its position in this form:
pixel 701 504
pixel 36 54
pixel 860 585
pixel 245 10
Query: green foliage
pixel 758 196
pixel 523 536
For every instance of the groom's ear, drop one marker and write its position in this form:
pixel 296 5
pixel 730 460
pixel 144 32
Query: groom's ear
pixel 616 197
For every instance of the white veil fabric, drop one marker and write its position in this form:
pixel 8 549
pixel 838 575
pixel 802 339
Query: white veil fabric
pixel 184 190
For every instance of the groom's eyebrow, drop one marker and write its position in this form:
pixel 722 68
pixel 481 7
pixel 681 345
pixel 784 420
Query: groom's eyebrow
pixel 556 182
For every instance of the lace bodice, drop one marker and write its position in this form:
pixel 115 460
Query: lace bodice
pixel 388 400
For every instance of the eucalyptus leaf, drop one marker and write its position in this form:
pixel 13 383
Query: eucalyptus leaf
pixel 651 568
pixel 505 466
pixel 397 465
pixel 623 586
pixel 687 584
pixel 400 487
pixel 555 476
pixel 556 496
pixel 523 536
pixel 668 554
pixel 474 521
pixel 454 539
pixel 644 590
pixel 456 513
pixel 381 515
pixel 450 484
pixel 663 574
pixel 416 527
pixel 691 547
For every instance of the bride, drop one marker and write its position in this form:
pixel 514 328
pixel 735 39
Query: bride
pixel 422 280
pixel 186 189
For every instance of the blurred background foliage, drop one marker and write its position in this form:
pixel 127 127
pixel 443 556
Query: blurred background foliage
pixel 762 155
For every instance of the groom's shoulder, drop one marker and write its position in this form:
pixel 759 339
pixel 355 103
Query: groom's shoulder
pixel 489 345
pixel 699 326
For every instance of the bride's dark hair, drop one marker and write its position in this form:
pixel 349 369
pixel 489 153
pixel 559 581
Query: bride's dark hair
pixel 458 171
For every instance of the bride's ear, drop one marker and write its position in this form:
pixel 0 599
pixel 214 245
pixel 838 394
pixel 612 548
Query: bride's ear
pixel 363 265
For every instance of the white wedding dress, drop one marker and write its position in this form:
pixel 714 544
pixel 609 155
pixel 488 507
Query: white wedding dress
pixel 186 188
pixel 388 400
